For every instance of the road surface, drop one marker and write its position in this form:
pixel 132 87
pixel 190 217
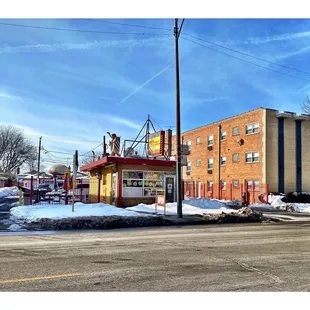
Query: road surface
pixel 248 257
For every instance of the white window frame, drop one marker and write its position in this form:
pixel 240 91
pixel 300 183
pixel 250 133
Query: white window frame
pixel 189 144
pixel 210 141
pixel 250 184
pixel 210 163
pixel 189 166
pixel 252 128
pixel 223 162
pixel 252 157
pixel 198 140
pixel 223 135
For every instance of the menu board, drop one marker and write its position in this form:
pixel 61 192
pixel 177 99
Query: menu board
pixel 150 175
pixel 134 175
pixel 132 183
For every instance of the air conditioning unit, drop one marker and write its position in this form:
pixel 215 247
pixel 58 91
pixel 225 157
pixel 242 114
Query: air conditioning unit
pixel 210 171
pixel 210 147
pixel 188 173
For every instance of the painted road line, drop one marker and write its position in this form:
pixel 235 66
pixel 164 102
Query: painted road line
pixel 41 278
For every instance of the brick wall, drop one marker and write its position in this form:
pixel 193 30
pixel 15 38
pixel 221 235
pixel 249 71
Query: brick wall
pixel 231 171
pixel 305 149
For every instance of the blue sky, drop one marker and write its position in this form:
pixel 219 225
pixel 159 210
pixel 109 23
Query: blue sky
pixel 73 87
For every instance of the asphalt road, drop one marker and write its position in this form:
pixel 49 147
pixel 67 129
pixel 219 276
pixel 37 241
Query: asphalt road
pixel 248 257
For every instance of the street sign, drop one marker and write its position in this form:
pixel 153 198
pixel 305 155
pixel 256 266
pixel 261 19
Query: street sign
pixel 160 200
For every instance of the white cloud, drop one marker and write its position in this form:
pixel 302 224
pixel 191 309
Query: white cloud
pixel 48 48
pixel 281 37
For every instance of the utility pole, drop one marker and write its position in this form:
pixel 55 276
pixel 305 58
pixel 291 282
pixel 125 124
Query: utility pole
pixel 178 118
pixel 39 162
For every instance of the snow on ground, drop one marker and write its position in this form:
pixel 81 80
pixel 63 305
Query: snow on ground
pixel 189 207
pixel 35 212
pixel 9 191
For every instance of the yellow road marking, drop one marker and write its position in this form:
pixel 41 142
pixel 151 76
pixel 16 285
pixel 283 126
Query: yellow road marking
pixel 42 278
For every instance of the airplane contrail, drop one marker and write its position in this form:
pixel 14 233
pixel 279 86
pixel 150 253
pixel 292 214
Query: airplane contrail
pixel 145 83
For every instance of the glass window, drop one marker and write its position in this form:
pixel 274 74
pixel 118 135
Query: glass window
pixel 189 166
pixel 236 183
pixel 189 143
pixel 210 140
pixel 236 158
pixel 198 163
pixel 223 183
pixel 198 140
pixel 252 157
pixel 250 185
pixel 223 160
pixel 223 135
pixel 210 163
pixel 209 185
pixel 236 131
pixel 251 128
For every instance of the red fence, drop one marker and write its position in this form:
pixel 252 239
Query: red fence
pixel 62 195
pixel 256 193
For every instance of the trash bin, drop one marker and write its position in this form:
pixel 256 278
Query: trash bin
pixel 26 197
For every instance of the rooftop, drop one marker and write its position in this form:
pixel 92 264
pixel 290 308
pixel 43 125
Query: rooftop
pixel 105 161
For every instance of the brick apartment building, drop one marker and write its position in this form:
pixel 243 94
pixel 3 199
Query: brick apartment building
pixel 264 146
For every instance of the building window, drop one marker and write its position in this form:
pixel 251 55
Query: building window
pixel 251 128
pixel 104 179
pixel 235 183
pixel 189 166
pixel 210 163
pixel 250 185
pixel 252 157
pixel 209 186
pixel 223 184
pixel 223 135
pixel 189 144
pixel 236 131
pixel 223 160
pixel 198 140
pixel 172 147
pixel 198 163
pixel 210 140
pixel 236 158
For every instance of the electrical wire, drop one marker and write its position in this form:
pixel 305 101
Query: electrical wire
pixel 152 119
pixel 245 54
pixel 92 149
pixel 84 30
pixel 124 24
pixel 246 61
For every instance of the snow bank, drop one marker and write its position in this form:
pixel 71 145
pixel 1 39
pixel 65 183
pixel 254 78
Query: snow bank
pixel 32 213
pixel 189 207
pixel 9 191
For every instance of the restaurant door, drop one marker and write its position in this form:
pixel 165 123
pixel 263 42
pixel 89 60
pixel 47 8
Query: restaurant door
pixel 170 188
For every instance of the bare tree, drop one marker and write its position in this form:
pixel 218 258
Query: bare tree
pixel 306 105
pixel 89 158
pixel 15 148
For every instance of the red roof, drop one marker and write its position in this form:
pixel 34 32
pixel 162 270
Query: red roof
pixel 127 160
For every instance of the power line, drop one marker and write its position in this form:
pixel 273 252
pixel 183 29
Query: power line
pixel 156 123
pixel 124 24
pixel 245 54
pixel 246 61
pixel 92 149
pixel 85 30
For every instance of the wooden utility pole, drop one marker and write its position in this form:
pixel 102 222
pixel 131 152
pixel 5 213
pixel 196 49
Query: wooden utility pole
pixel 178 118
pixel 39 162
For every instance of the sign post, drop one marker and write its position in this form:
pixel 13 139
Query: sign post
pixel 160 200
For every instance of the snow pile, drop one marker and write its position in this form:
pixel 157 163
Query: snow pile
pixel 205 203
pixel 9 191
pixel 32 213
pixel 189 207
